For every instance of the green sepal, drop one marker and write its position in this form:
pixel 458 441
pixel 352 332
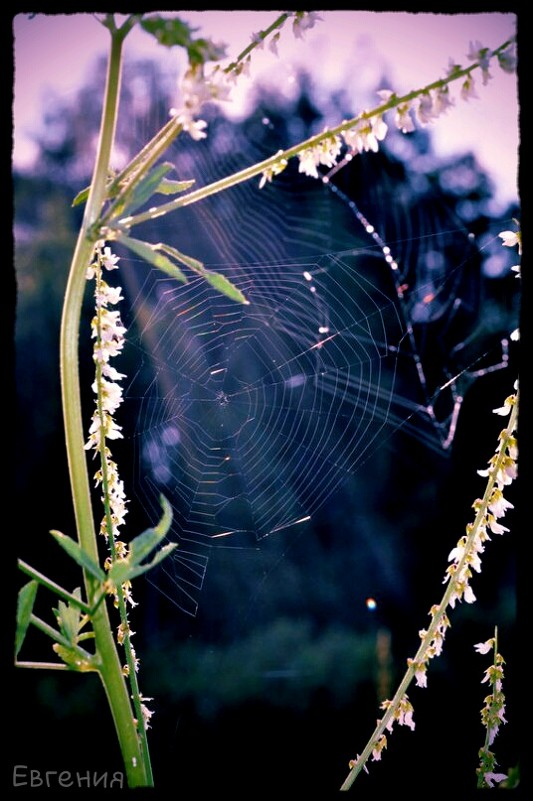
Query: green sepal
pixel 217 281
pixel 25 601
pixel 79 555
pixel 130 567
pixel 149 253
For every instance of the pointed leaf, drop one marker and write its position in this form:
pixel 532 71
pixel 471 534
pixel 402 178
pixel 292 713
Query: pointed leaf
pixel 163 552
pixel 225 287
pixel 176 254
pixel 168 187
pixel 81 197
pixel 79 555
pixel 149 254
pixel 146 188
pixel 25 601
pixel 125 569
pixel 217 281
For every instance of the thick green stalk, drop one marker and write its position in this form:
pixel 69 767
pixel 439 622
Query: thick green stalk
pixel 109 663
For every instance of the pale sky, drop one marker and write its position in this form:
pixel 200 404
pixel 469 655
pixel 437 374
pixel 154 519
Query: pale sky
pixel 351 48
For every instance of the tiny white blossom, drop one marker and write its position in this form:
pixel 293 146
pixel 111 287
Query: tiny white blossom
pixel 304 21
pixel 491 777
pixel 510 239
pixel 481 54
pixel 484 647
pixel 498 505
pixel 273 44
pixel 109 260
pixel 468 89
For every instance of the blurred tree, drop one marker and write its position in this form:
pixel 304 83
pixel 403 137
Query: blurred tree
pixel 272 629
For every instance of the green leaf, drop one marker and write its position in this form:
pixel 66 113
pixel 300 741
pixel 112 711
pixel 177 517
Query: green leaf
pixel 224 286
pixel 149 253
pixel 168 31
pixel 124 570
pixel 81 197
pixel 141 546
pixel 79 555
pixel 217 281
pixel 146 188
pixel 149 539
pixel 202 50
pixel 177 255
pixel 167 187
pixel 25 601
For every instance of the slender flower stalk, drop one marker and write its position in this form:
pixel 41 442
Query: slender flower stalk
pixel 363 132
pixel 492 714
pixel 464 557
pixel 108 333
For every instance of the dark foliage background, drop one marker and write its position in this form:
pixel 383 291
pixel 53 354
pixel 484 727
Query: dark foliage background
pixel 274 685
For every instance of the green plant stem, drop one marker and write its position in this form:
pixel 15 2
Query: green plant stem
pixel 110 667
pixel 441 609
pixel 51 585
pixel 313 141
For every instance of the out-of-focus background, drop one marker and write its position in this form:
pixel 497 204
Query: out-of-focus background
pixel 268 651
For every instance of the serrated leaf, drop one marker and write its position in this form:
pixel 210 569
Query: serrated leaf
pixel 150 254
pixel 25 602
pixel 224 286
pixel 69 619
pixel 78 554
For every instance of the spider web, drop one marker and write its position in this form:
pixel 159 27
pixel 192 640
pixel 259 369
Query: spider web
pixel 249 417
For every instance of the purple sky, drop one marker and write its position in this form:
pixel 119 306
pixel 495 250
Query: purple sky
pixel 55 53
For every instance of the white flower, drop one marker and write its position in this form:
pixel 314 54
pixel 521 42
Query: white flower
pixel 484 647
pixel 442 101
pixel 308 162
pixel 109 260
pixel 403 119
pixel 425 111
pixel 510 239
pixel 490 778
pixel 304 21
pixel 273 44
pixel 483 55
pixel 498 505
pixel 468 89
